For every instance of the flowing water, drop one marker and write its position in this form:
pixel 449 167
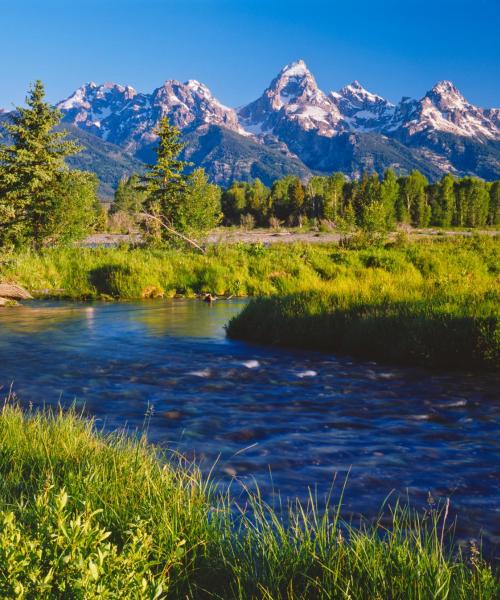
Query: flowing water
pixel 289 420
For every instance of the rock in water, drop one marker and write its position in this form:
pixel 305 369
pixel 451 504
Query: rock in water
pixel 14 292
pixel 7 302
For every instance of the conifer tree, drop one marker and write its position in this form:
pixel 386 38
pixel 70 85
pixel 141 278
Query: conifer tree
pixel 29 168
pixel 165 183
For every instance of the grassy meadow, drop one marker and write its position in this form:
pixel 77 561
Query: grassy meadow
pixel 89 515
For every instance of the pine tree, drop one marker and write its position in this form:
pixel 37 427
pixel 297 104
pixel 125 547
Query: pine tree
pixel 29 168
pixel 165 184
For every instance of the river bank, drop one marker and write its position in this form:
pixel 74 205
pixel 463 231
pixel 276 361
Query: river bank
pixel 111 516
pixel 432 302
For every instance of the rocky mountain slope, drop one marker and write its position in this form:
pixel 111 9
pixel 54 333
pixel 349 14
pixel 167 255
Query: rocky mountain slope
pixel 294 127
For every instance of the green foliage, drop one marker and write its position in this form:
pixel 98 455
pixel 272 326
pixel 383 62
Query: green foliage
pixel 472 203
pixel 371 203
pixel 201 208
pixel 494 207
pixel 129 198
pixel 433 304
pixel 40 200
pixel 185 203
pixel 85 515
pixel 449 284
pixel 165 183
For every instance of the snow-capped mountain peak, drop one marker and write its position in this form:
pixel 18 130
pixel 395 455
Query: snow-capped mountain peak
pixel 357 93
pixel 293 97
pixel 295 117
pixel 297 68
pixel 362 110
pixel 445 109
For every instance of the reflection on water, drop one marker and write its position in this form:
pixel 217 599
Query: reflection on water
pixel 302 417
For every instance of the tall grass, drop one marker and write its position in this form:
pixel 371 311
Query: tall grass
pixel 88 515
pixel 433 302
pixel 394 271
pixel 433 331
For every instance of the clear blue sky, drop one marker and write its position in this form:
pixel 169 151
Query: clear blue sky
pixel 236 47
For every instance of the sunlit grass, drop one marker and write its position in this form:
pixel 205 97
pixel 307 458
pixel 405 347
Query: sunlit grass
pixel 88 515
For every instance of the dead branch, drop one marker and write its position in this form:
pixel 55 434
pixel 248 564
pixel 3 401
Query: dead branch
pixel 172 231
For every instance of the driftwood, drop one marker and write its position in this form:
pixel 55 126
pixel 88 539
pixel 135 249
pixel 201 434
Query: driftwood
pixel 14 292
pixel 172 231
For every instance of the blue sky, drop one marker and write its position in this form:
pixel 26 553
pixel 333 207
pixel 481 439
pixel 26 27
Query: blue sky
pixel 236 47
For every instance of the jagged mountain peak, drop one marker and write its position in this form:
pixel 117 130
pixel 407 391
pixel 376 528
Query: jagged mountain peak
pixel 295 117
pixel 199 88
pixel 445 87
pixel 297 68
pixel 356 92
pixel 85 95
pixel 293 84
pixel 294 99
pixel 444 109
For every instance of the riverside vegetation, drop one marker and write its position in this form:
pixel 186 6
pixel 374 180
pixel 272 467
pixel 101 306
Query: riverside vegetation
pixel 429 302
pixel 67 529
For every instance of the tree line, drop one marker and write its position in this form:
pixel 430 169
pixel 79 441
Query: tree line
pixel 43 201
pixel 372 203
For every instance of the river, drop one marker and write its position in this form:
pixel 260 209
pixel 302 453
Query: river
pixel 288 420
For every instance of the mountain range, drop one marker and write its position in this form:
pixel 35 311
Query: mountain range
pixel 293 128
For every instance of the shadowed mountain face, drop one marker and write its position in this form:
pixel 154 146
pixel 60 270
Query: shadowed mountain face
pixel 293 128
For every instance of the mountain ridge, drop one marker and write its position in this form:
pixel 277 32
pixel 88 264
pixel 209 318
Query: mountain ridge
pixel 293 126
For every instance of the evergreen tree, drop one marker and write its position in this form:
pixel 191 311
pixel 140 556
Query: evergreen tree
pixel 129 197
pixel 165 184
pixel 29 168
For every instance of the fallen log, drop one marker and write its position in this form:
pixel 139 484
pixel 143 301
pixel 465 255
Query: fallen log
pixel 14 292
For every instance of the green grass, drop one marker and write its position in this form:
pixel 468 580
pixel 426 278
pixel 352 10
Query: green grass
pixel 88 515
pixel 431 301
pixel 433 331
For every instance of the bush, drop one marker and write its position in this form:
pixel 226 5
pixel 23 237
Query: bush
pixel 247 221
